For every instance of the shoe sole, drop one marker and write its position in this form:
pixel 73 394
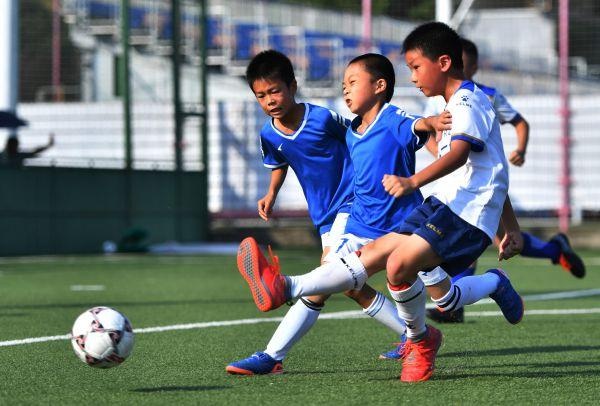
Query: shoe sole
pixel 383 357
pixel 231 370
pixel 248 265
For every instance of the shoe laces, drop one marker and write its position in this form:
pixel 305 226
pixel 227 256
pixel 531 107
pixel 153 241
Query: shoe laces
pixel 402 349
pixel 409 348
pixel 276 268
pixel 274 260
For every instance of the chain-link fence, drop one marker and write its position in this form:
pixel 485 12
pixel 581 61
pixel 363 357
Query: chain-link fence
pixel 71 86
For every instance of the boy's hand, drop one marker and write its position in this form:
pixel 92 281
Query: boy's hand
pixel 441 122
pixel 511 245
pixel 398 186
pixel 517 157
pixel 265 206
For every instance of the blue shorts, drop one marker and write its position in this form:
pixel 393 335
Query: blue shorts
pixel 457 242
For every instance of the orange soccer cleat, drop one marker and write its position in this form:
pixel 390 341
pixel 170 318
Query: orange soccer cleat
pixel 266 283
pixel 419 357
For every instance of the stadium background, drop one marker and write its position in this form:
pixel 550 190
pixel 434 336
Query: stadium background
pixel 169 146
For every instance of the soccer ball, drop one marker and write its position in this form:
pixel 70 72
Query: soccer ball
pixel 102 337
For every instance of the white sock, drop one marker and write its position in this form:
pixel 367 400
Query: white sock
pixel 339 275
pixel 297 321
pixel 468 290
pixel 411 308
pixel 385 312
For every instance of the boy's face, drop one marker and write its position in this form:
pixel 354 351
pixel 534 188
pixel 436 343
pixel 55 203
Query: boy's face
pixel 274 96
pixel 426 74
pixel 359 89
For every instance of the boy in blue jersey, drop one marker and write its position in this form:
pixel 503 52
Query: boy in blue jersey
pixel 310 139
pixel 557 249
pixel 433 226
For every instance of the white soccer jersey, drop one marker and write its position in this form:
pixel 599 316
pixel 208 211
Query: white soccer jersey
pixel 476 191
pixel 504 111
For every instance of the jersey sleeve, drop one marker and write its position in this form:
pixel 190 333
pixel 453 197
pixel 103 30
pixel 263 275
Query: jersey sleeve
pixel 406 134
pixel 505 112
pixel 338 125
pixel 271 157
pixel 468 123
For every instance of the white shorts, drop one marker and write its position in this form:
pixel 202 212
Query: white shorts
pixel 348 243
pixel 344 245
pixel 338 227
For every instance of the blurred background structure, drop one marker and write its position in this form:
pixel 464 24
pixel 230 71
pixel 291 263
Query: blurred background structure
pixel 156 129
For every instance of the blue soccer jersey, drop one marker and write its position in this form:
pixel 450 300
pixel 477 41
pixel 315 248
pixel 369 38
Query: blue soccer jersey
pixel 387 146
pixel 318 154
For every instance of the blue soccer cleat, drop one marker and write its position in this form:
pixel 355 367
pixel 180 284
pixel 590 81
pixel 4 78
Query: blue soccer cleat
pixel 507 298
pixel 258 363
pixel 397 353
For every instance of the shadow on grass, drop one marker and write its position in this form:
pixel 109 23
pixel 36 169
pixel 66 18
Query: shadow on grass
pixel 334 371
pixel 198 388
pixel 520 350
pixel 538 374
pixel 11 314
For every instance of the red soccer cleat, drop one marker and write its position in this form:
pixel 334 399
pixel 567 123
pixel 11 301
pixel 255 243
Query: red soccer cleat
pixel 266 283
pixel 419 357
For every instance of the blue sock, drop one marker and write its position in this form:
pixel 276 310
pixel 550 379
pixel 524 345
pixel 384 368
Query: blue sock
pixel 467 272
pixel 536 248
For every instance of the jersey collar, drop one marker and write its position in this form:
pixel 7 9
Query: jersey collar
pixel 356 119
pixel 298 131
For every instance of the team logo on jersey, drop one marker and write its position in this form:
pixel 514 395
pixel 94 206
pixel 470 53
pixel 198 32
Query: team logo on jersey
pixel 434 229
pixel 464 101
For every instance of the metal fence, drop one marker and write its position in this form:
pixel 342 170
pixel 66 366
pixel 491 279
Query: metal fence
pixel 82 108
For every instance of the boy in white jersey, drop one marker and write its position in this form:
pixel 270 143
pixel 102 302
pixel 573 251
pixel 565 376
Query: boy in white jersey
pixel 557 249
pixel 310 139
pixel 457 243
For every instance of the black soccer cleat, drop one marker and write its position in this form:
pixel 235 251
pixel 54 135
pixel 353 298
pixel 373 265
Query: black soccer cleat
pixel 568 259
pixel 455 316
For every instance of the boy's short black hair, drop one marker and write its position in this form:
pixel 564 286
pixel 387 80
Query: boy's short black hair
pixel 470 48
pixel 435 39
pixel 379 67
pixel 270 64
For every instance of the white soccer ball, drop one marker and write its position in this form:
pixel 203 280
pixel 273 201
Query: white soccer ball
pixel 102 337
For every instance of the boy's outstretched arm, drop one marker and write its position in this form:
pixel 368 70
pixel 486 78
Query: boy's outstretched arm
pixel 512 242
pixel 265 205
pixel 433 124
pixel 457 156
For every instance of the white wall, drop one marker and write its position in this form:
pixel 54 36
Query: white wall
pixel 90 135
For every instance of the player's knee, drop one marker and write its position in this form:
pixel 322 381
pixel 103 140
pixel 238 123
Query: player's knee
pixel 396 269
pixel 318 300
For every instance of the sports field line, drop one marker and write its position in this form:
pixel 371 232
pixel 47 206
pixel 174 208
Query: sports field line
pixel 349 314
